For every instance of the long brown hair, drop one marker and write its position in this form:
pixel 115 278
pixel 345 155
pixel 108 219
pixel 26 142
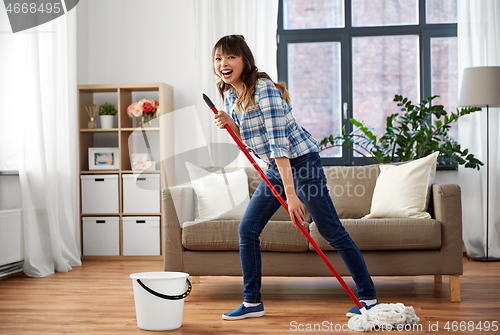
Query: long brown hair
pixel 236 45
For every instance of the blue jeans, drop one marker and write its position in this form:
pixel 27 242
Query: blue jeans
pixel 310 186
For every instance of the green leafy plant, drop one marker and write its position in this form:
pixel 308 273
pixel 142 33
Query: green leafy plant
pixel 107 109
pixel 411 134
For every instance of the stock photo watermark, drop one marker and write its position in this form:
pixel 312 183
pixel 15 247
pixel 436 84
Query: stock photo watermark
pixel 327 326
pixel 25 14
pixel 431 326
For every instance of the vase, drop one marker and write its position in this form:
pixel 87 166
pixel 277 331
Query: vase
pixel 146 120
pixel 107 121
pixel 92 124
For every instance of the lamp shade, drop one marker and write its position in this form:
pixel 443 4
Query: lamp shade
pixel 480 87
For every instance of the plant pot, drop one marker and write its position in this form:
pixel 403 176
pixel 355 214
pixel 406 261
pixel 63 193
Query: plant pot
pixel 107 121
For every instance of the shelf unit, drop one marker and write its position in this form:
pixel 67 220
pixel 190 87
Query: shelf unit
pixel 122 95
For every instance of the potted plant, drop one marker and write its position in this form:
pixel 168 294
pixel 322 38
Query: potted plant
pixel 107 113
pixel 417 132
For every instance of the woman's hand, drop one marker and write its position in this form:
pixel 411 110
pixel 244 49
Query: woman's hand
pixel 296 209
pixel 222 118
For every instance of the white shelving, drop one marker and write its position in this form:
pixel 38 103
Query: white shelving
pixel 117 196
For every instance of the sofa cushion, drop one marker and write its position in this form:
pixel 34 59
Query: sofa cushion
pixel 351 189
pixel 223 235
pixel 218 196
pixel 402 191
pixel 387 234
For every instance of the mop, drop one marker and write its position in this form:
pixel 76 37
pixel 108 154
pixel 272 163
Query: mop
pixel 380 317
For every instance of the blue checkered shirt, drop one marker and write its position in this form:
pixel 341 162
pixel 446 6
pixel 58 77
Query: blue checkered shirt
pixel 269 128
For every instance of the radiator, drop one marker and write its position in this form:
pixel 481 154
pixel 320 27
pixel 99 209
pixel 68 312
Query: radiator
pixel 11 238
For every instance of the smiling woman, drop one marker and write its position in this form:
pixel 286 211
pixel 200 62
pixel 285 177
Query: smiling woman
pixel 260 114
pixel 229 68
pixel 234 63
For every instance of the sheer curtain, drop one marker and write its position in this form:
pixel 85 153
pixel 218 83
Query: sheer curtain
pixel 257 20
pixel 48 144
pixel 479 45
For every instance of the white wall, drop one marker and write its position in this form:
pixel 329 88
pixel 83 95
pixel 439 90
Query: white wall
pixel 10 192
pixel 132 41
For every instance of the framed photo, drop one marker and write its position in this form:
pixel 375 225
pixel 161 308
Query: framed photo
pixel 104 159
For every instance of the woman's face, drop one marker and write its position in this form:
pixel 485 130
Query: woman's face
pixel 229 68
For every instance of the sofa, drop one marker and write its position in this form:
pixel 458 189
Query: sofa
pixel 390 246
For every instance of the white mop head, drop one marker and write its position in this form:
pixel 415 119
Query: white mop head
pixel 384 317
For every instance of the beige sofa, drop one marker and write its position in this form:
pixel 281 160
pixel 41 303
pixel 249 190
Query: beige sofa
pixel 391 246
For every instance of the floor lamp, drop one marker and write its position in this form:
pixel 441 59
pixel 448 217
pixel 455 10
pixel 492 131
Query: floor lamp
pixel 481 88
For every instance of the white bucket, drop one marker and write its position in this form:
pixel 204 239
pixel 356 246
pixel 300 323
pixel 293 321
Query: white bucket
pixel 159 299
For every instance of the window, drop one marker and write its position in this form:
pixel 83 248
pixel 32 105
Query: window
pixel 348 58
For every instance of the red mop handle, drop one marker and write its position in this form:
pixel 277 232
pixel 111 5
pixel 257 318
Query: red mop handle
pixel 284 204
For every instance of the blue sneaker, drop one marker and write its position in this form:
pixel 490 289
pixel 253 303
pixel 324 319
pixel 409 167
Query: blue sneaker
pixel 243 312
pixel 355 310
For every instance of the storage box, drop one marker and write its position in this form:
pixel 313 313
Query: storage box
pixel 141 236
pixel 141 194
pixel 101 236
pixel 100 194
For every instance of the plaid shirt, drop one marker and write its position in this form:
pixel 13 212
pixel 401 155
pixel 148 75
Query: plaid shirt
pixel 269 128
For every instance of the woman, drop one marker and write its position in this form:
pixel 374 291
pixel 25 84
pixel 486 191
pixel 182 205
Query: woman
pixel 260 115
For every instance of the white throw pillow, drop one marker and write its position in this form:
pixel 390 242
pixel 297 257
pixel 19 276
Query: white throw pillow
pixel 217 199
pixel 401 190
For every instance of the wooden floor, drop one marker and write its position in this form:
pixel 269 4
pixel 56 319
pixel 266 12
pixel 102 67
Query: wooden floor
pixel 97 298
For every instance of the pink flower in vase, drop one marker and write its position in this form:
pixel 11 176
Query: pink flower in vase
pixel 134 110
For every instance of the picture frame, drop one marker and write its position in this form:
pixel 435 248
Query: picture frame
pixel 104 159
